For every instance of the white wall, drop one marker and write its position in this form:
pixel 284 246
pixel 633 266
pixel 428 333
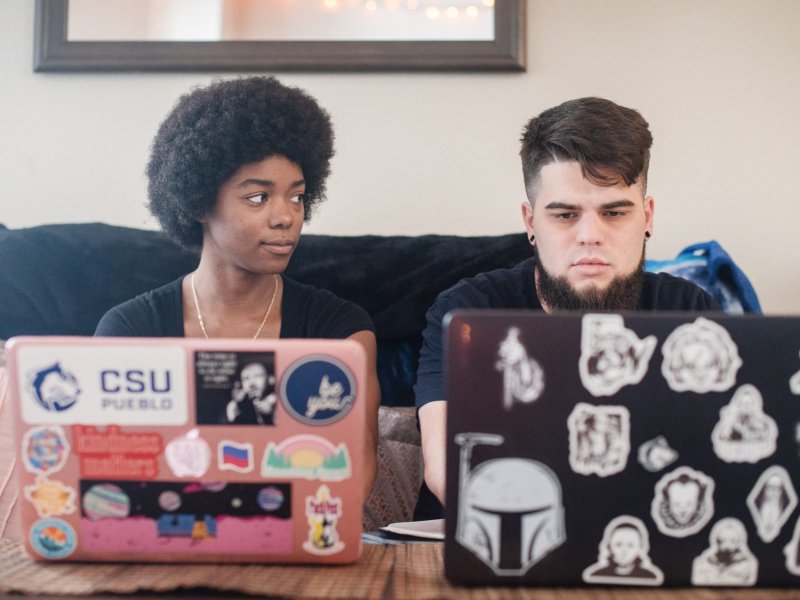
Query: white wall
pixel 718 80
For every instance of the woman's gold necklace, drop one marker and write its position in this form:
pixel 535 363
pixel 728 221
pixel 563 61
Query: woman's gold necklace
pixel 260 327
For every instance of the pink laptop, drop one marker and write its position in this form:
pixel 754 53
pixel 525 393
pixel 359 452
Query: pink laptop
pixel 186 450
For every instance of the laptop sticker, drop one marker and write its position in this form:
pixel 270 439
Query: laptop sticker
pixel 189 455
pixel 235 388
pixel 700 357
pixel 114 454
pixel 50 498
pixel 318 390
pixel 623 557
pixel 53 538
pixel 599 439
pixel 198 517
pixel 792 551
pixel 771 501
pixel 308 456
pixel 322 513
pixel 683 502
pixel 523 378
pixel 510 512
pixel 54 389
pixel 744 432
pixel 656 454
pixel 232 456
pixel 794 383
pixel 612 356
pixel 727 561
pixel 44 449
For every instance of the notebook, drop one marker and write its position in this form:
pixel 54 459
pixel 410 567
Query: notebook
pixel 187 450
pixel 640 449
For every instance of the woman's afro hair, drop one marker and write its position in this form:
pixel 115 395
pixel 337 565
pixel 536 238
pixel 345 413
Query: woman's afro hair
pixel 215 130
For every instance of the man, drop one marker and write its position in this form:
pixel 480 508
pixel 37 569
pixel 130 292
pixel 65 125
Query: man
pixel 252 399
pixel 588 219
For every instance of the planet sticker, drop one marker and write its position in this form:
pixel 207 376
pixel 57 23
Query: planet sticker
pixel 270 498
pixel 169 501
pixel 106 501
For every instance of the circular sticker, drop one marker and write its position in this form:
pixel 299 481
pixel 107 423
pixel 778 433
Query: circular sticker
pixel 53 538
pixel 318 390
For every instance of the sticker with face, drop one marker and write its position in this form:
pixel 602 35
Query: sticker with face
pixel 683 502
pixel 510 513
pixel 771 501
pixel 727 561
pixel 656 454
pixel 700 357
pixel 599 439
pixel 612 355
pixel 794 383
pixel 50 498
pixel 322 513
pixel 44 449
pixel 188 456
pixel 523 378
pixel 792 551
pixel 744 432
pixel 623 557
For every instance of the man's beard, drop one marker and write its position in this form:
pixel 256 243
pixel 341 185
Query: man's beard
pixel 622 294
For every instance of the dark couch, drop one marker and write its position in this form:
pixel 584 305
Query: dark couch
pixel 60 279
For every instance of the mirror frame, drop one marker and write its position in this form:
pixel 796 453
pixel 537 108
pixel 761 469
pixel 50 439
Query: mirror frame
pixel 53 52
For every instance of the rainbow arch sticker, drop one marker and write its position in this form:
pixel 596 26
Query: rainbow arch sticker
pixel 307 456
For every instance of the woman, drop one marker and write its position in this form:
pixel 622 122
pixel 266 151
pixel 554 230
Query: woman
pixel 235 170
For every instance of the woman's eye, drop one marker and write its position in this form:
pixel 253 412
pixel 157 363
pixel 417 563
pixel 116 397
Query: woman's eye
pixel 298 198
pixel 258 198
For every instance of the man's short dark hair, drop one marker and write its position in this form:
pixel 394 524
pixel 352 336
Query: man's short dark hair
pixel 610 142
pixel 215 130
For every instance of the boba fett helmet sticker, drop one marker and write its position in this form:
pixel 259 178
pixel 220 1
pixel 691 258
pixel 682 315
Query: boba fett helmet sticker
pixel 523 378
pixel 744 432
pixel 318 390
pixel 510 513
pixel 599 439
pixel 771 502
pixel 700 357
pixel 612 355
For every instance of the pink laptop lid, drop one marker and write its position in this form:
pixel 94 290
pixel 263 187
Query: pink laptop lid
pixel 187 450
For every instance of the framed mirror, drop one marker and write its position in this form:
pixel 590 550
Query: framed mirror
pixel 279 35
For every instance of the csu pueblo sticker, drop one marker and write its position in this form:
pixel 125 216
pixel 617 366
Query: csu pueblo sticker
pixel 318 390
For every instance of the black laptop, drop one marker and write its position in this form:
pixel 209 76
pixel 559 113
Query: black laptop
pixel 638 449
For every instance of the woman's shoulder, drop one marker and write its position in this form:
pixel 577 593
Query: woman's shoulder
pixel 309 311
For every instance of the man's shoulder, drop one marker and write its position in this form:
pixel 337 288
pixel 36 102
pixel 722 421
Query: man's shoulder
pixel 509 287
pixel 665 292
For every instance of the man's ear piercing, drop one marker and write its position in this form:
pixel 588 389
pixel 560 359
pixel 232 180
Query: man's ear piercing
pixel 532 239
pixel 647 235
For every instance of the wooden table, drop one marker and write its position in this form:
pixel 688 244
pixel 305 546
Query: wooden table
pixel 413 571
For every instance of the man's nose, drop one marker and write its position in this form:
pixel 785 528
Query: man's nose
pixel 590 229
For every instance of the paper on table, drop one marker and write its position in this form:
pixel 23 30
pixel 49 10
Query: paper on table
pixel 432 529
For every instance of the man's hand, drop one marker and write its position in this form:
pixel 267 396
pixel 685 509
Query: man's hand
pixel 432 424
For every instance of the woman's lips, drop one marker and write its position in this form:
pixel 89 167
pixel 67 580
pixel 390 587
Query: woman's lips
pixel 279 246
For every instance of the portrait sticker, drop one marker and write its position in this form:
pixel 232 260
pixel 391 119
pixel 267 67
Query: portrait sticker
pixel 728 560
pixel 683 502
pixel 233 456
pixel 308 456
pixel 44 449
pixel 700 357
pixel 623 557
pixel 771 502
pixel 53 538
pixel 322 513
pixel 189 455
pixel 599 439
pixel 50 498
pixel 744 432
pixel 201 517
pixel 792 551
pixel 523 378
pixel 612 356
pixel 794 383
pixel 510 513
pixel 235 388
pixel 656 454
pixel 318 390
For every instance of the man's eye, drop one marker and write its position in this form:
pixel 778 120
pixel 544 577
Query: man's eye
pixel 565 216
pixel 259 198
pixel 298 198
pixel 615 213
